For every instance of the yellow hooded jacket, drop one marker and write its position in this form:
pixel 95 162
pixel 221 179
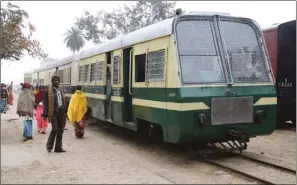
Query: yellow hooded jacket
pixel 77 107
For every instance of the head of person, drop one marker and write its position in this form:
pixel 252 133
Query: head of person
pixel 78 88
pixel 55 81
pixel 41 88
pixel 26 86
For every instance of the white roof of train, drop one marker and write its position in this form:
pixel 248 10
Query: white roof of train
pixel 156 30
pixel 159 29
pixel 28 72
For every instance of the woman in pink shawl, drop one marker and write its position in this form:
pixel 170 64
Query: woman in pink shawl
pixel 41 123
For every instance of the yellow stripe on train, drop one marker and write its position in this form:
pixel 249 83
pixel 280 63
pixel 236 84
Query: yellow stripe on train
pixel 170 105
pixel 266 101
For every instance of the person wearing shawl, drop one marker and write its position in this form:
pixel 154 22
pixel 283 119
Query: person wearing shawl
pixel 54 111
pixel 39 95
pixel 76 111
pixel 4 96
pixel 10 96
pixel 36 89
pixel 41 123
pixel 25 109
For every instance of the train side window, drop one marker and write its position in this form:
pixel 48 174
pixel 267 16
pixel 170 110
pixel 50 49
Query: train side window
pixel 116 70
pixel 94 72
pixel 83 73
pixel 140 68
pixel 101 71
pixel 155 66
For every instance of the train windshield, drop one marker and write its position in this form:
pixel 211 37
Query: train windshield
pixel 198 52
pixel 203 45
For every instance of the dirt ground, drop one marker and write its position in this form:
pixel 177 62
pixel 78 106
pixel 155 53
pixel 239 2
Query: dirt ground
pixel 109 154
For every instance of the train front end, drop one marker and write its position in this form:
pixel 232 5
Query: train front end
pixel 226 85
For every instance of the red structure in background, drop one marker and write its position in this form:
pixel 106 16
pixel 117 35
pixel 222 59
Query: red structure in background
pixel 270 36
pixel 281 45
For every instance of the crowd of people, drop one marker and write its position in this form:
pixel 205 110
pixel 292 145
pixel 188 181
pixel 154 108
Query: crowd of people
pixel 6 97
pixel 48 105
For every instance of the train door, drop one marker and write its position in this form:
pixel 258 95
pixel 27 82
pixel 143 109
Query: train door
pixel 127 69
pixel 108 112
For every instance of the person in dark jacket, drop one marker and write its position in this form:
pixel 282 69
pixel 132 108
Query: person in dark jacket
pixel 54 111
pixel 3 100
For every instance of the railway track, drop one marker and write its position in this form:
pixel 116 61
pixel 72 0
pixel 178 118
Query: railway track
pixel 255 169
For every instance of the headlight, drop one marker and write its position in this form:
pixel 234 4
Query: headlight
pixel 260 116
pixel 202 119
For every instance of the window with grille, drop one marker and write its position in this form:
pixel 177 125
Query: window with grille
pixel 101 71
pixel 198 52
pixel 97 72
pixel 94 72
pixel 116 70
pixel 83 73
pixel 245 54
pixel 60 75
pixel 155 66
pixel 66 76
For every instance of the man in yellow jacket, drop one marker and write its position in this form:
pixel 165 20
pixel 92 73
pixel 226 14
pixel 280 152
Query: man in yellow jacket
pixel 76 111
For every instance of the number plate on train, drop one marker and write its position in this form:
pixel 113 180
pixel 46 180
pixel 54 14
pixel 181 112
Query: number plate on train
pixel 231 110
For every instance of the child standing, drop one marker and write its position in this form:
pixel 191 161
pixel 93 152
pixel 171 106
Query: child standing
pixel 41 123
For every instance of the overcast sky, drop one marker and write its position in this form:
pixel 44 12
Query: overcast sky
pixel 53 18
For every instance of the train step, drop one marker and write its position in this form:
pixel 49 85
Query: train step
pixel 109 120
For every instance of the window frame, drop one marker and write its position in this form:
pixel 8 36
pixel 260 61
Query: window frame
pixel 119 70
pixel 223 62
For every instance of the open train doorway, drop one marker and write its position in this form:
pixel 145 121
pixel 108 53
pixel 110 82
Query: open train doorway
pixel 127 69
pixel 108 112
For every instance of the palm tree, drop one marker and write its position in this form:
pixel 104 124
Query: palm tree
pixel 74 39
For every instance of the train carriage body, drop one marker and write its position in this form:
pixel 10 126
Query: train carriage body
pixel 28 77
pixel 200 77
pixel 281 44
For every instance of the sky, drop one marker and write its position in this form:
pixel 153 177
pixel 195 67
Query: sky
pixel 53 18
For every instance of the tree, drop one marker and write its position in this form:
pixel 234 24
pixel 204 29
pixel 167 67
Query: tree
pixel 74 39
pixel 14 43
pixel 108 25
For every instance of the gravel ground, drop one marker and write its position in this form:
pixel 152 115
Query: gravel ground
pixel 109 154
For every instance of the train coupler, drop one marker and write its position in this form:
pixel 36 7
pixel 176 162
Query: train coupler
pixel 238 136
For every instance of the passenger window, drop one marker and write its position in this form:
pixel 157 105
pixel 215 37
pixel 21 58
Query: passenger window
pixel 140 68
pixel 155 66
pixel 116 70
pixel 83 73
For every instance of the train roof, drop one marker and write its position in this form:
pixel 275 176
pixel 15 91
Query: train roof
pixel 28 72
pixel 36 70
pixel 159 29
pixel 109 45
pixel 69 59
pixel 156 30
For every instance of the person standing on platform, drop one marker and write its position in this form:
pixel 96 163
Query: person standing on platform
pixel 25 109
pixel 77 109
pixel 54 111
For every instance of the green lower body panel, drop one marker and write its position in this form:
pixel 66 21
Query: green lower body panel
pixel 97 108
pixel 117 116
pixel 183 126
